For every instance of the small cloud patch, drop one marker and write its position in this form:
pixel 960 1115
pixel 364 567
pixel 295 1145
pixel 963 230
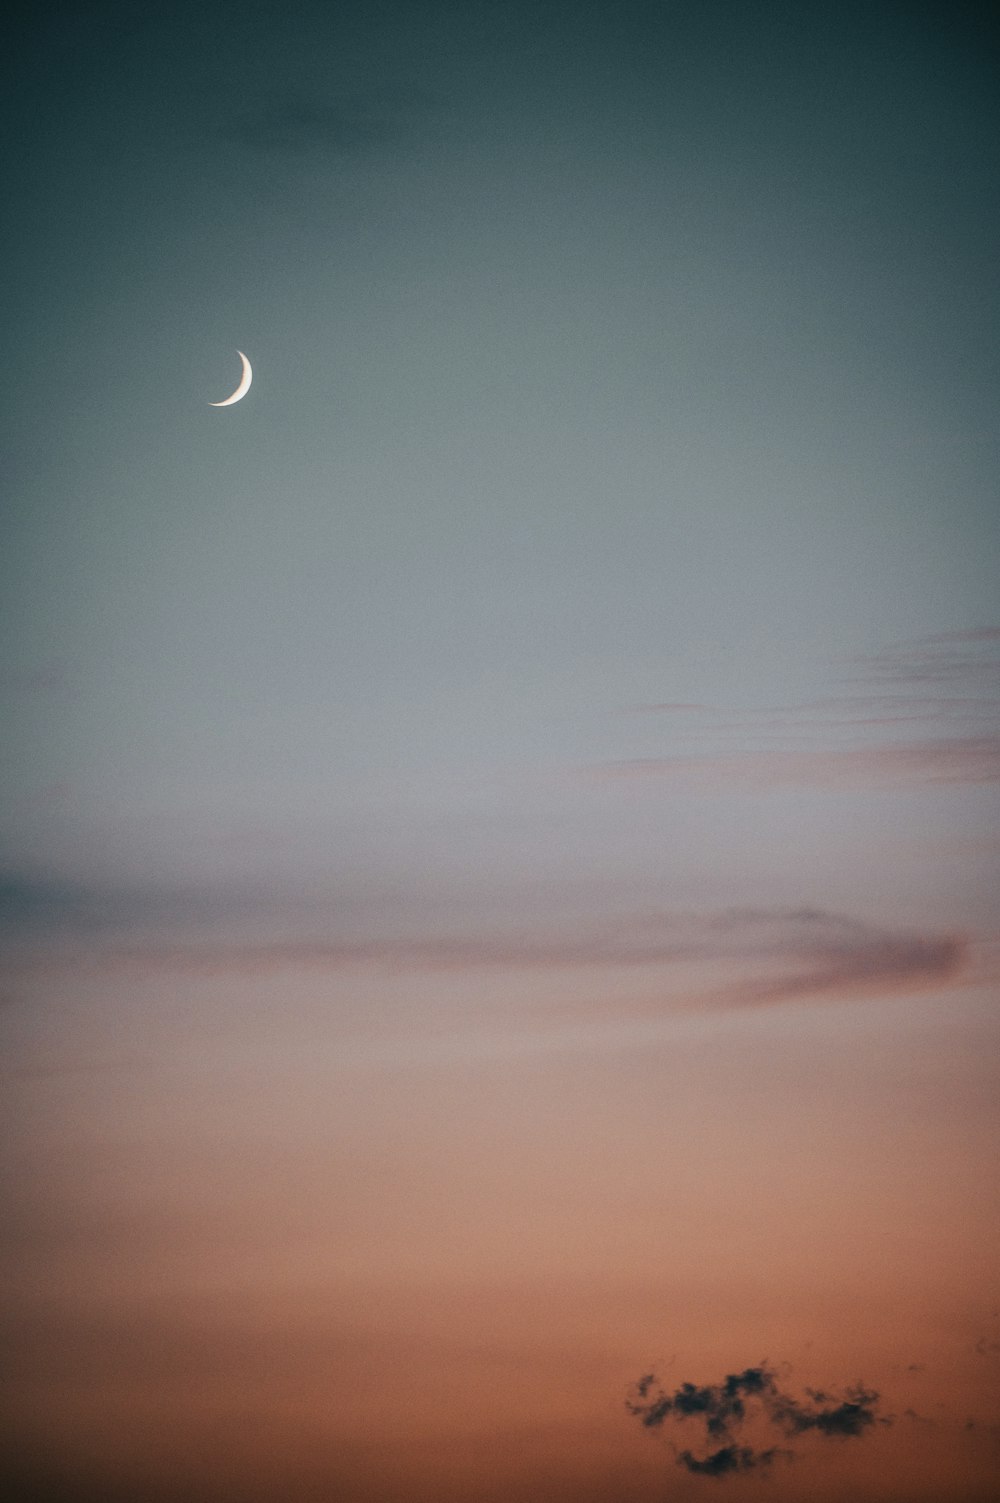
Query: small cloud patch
pixel 751 1397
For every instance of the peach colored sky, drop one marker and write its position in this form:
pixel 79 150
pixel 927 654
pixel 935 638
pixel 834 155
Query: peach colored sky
pixel 396 1186
pixel 410 1222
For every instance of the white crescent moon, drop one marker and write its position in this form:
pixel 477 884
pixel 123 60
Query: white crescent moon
pixel 243 387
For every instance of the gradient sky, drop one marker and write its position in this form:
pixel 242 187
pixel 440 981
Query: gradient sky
pixel 499 835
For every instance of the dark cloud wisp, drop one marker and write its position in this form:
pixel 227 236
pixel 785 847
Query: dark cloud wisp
pixel 295 124
pixel 729 1459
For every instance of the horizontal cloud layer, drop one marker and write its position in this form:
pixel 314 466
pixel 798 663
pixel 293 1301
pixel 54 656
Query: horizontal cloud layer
pixel 775 954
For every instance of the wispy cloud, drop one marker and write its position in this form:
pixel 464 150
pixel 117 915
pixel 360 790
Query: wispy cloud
pixel 294 123
pixel 944 690
pixel 776 955
pixel 826 953
pixel 966 657
pixel 913 764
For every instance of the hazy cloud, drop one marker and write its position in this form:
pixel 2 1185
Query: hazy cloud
pixel 41 908
pixel 975 634
pixel 293 123
pixel 669 706
pixel 32 904
pixel 46 679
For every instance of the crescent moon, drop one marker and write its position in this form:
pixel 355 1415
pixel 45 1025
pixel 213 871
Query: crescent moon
pixel 243 387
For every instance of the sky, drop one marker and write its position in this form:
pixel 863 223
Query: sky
pixel 498 837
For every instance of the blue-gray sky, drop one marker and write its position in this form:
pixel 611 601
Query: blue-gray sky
pixel 603 355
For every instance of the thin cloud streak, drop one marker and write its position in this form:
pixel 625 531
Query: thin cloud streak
pixel 671 707
pixel 784 954
pixel 916 764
